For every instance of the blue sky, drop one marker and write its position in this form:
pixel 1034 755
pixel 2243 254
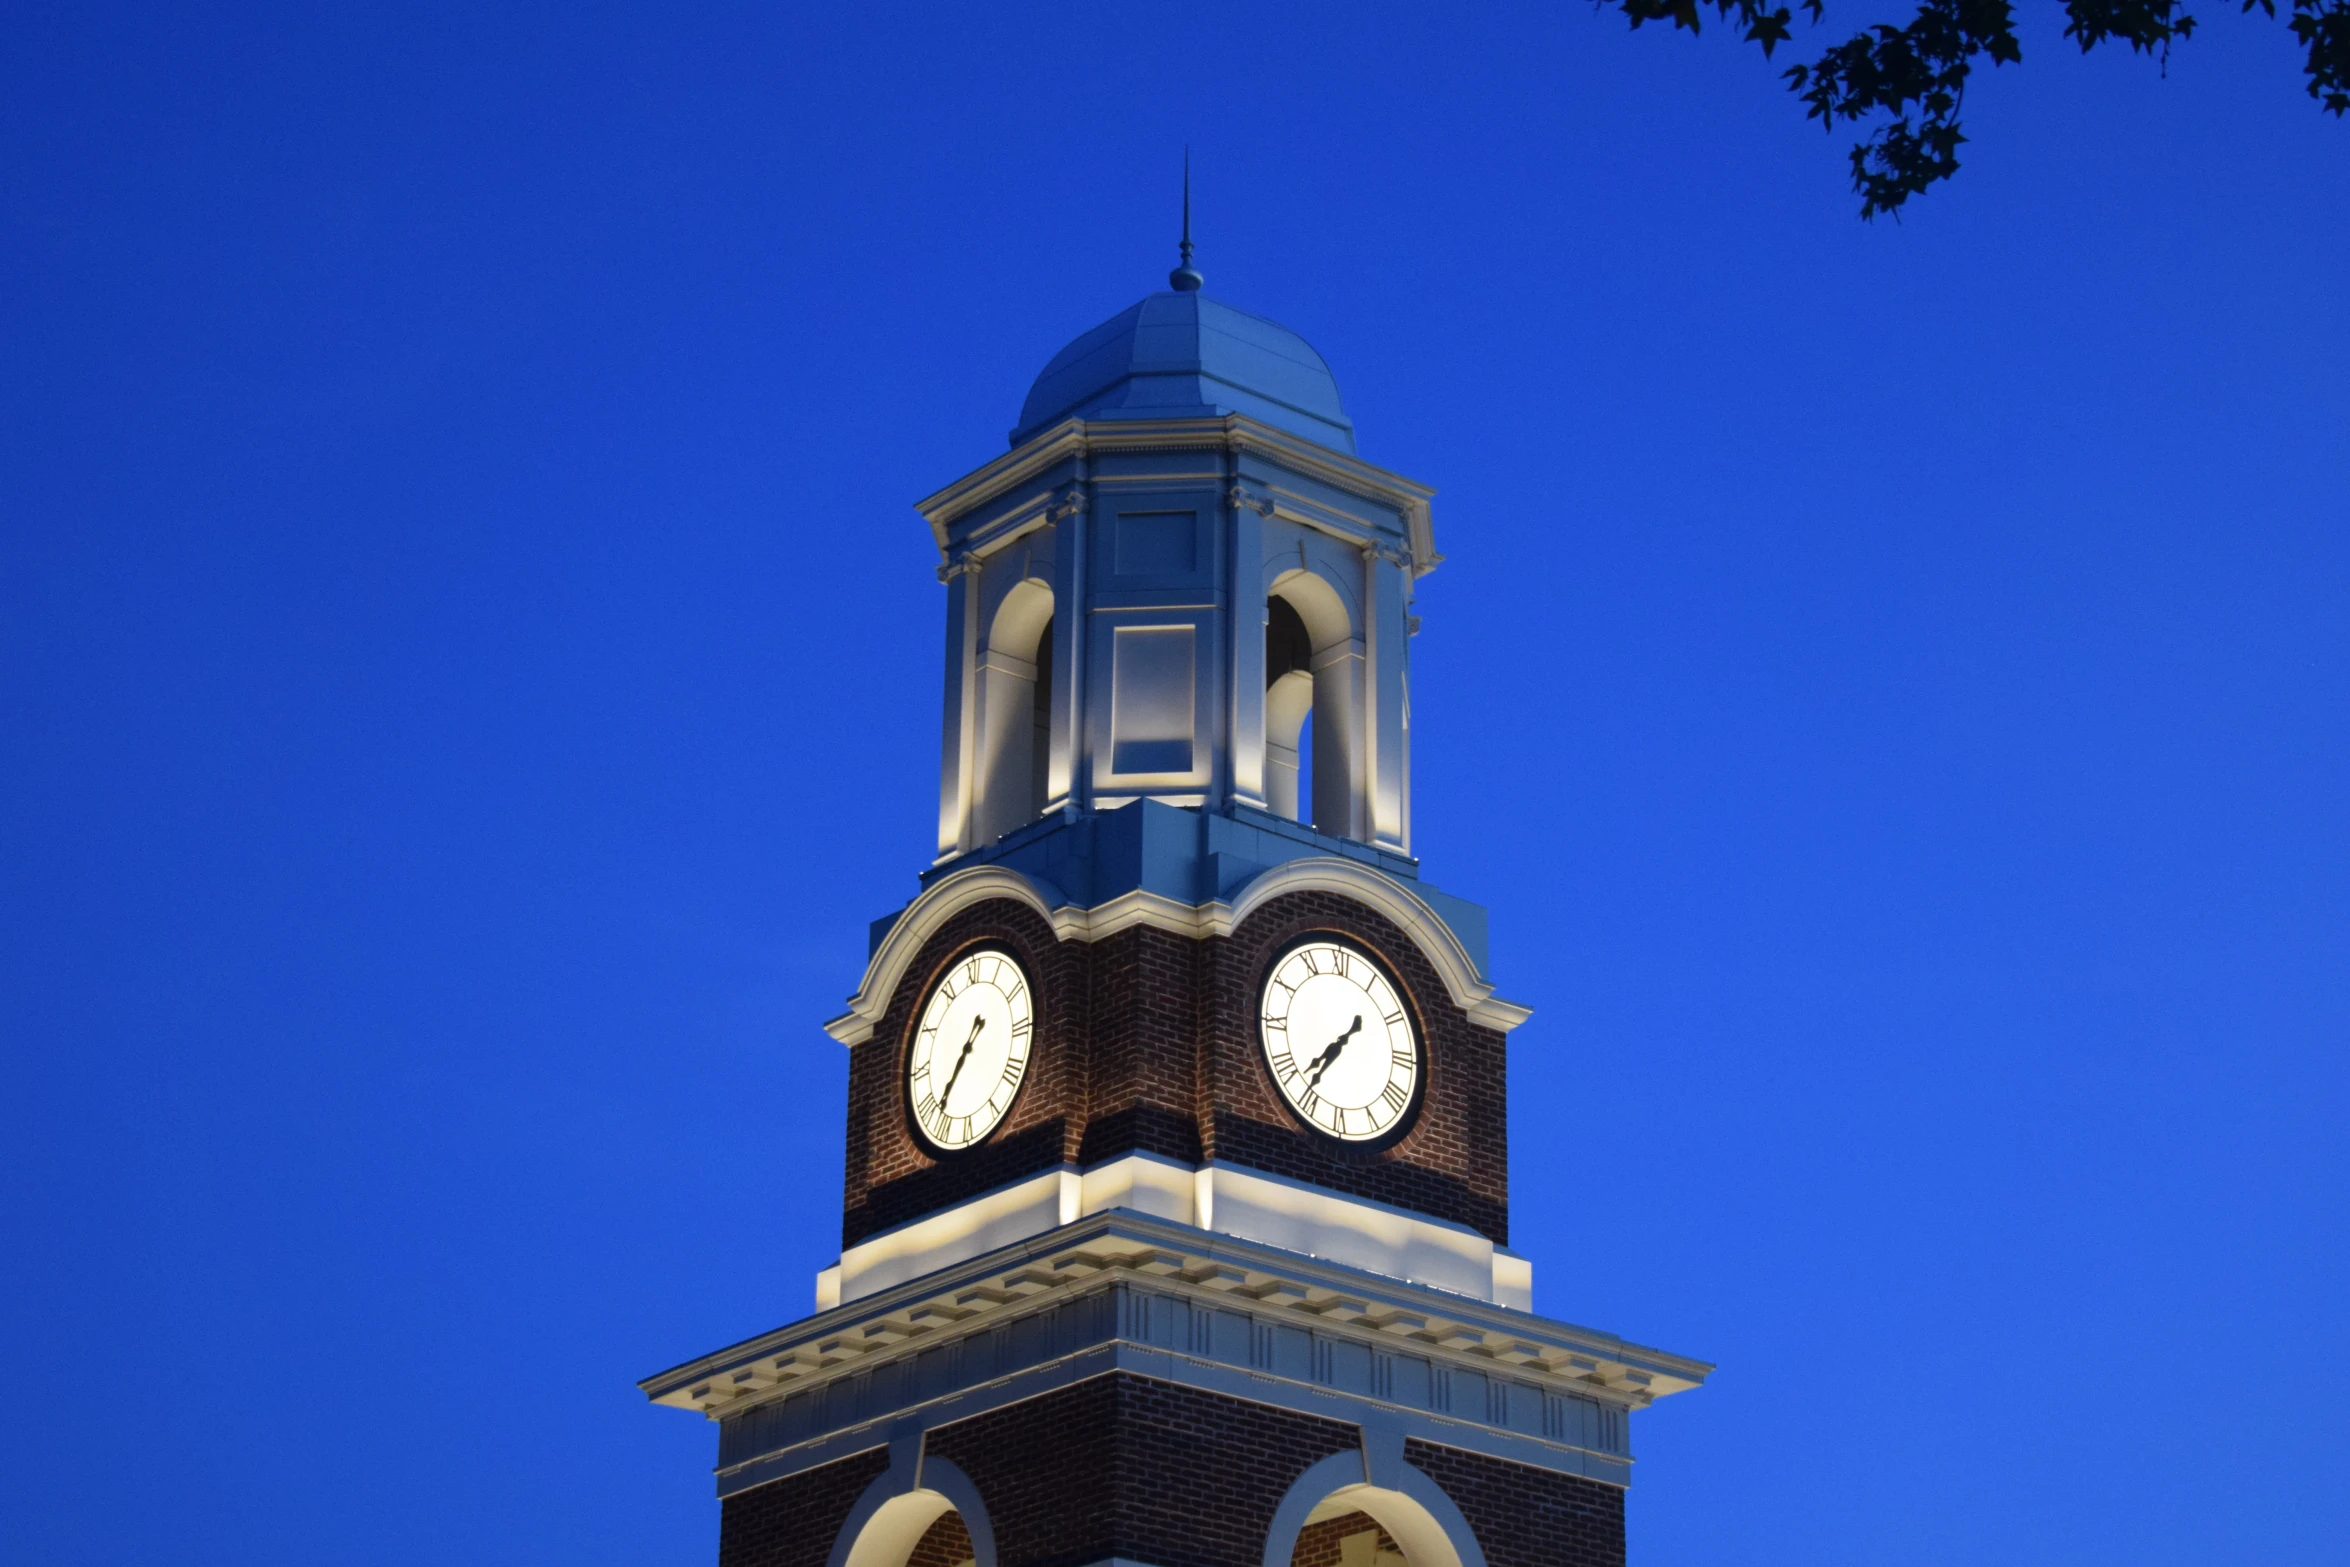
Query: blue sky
pixel 468 670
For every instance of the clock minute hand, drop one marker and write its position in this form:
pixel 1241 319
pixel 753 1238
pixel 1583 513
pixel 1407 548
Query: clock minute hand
pixel 977 1024
pixel 1322 1062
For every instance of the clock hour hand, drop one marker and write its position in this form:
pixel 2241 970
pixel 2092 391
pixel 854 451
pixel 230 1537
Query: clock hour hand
pixel 1323 1061
pixel 977 1024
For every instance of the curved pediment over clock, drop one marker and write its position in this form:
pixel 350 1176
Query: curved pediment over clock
pixel 1147 1041
pixel 910 934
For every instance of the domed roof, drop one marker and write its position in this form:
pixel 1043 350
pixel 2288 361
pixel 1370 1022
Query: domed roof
pixel 1184 356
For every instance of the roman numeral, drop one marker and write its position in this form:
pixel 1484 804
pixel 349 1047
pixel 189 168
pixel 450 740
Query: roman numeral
pixel 926 1110
pixel 1011 1071
pixel 1019 1028
pixel 1393 1018
pixel 1013 995
pixel 972 969
pixel 1395 1097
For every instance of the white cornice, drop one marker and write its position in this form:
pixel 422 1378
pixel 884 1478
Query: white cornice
pixel 1175 1257
pixel 1402 907
pixel 940 902
pixel 951 895
pixel 1233 432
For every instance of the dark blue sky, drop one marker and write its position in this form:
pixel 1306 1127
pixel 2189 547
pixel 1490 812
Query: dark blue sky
pixel 469 671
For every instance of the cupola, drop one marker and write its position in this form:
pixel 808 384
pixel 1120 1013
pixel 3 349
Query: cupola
pixel 1182 355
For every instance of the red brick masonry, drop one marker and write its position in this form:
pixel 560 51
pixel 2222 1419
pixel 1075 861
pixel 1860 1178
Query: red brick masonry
pixel 1147 1041
pixel 1125 1465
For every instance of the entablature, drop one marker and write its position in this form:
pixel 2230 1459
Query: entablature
pixel 1198 1307
pixel 1313 478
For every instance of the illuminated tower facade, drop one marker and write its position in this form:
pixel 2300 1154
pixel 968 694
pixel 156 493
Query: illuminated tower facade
pixel 1175 1226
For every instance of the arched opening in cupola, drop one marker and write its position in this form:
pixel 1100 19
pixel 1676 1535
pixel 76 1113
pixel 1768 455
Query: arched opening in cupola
pixel 1015 712
pixel 1040 734
pixel 1313 678
pixel 1289 698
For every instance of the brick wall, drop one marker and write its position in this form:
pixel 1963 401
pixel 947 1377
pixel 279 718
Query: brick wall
pixel 1453 1163
pixel 892 1176
pixel 1123 1465
pixel 1126 1465
pixel 948 1544
pixel 792 1523
pixel 1318 1544
pixel 1147 1041
pixel 1525 1517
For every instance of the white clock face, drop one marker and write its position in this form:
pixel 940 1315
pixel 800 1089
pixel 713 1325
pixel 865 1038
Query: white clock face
pixel 970 1049
pixel 1339 1040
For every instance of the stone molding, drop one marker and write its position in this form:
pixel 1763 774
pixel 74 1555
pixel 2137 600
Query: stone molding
pixel 1513 1367
pixel 1398 1496
pixel 1220 1196
pixel 951 895
pixel 1235 433
pixel 889 1518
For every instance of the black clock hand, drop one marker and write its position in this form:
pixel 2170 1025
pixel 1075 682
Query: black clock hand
pixel 1322 1062
pixel 977 1024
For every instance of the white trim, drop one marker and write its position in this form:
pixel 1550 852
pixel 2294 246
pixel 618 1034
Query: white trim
pixel 1235 433
pixel 950 1482
pixel 951 895
pixel 1451 1329
pixel 893 1513
pixel 1389 897
pixel 1411 1507
pixel 944 899
pixel 1227 1199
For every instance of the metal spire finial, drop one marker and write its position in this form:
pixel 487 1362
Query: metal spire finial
pixel 1186 278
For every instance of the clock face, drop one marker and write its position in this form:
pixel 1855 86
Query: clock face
pixel 1339 1040
pixel 971 1049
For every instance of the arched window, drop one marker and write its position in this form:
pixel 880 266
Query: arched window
pixel 1040 751
pixel 1289 697
pixel 1313 669
pixel 1015 712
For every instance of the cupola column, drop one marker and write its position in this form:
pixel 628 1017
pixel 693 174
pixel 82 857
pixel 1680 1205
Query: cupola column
pixel 1247 617
pixel 1071 519
pixel 958 739
pixel 1386 633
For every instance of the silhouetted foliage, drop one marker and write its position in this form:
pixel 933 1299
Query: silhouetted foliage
pixel 1915 76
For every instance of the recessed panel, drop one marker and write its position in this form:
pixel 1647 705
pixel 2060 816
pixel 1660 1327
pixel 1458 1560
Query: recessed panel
pixel 1153 702
pixel 1157 543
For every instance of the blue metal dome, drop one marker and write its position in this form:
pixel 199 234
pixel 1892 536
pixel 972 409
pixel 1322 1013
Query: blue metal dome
pixel 1185 356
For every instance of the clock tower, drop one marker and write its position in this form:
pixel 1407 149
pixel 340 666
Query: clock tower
pixel 1175 1219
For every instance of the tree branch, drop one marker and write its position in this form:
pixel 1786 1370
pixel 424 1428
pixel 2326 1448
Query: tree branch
pixel 1916 75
